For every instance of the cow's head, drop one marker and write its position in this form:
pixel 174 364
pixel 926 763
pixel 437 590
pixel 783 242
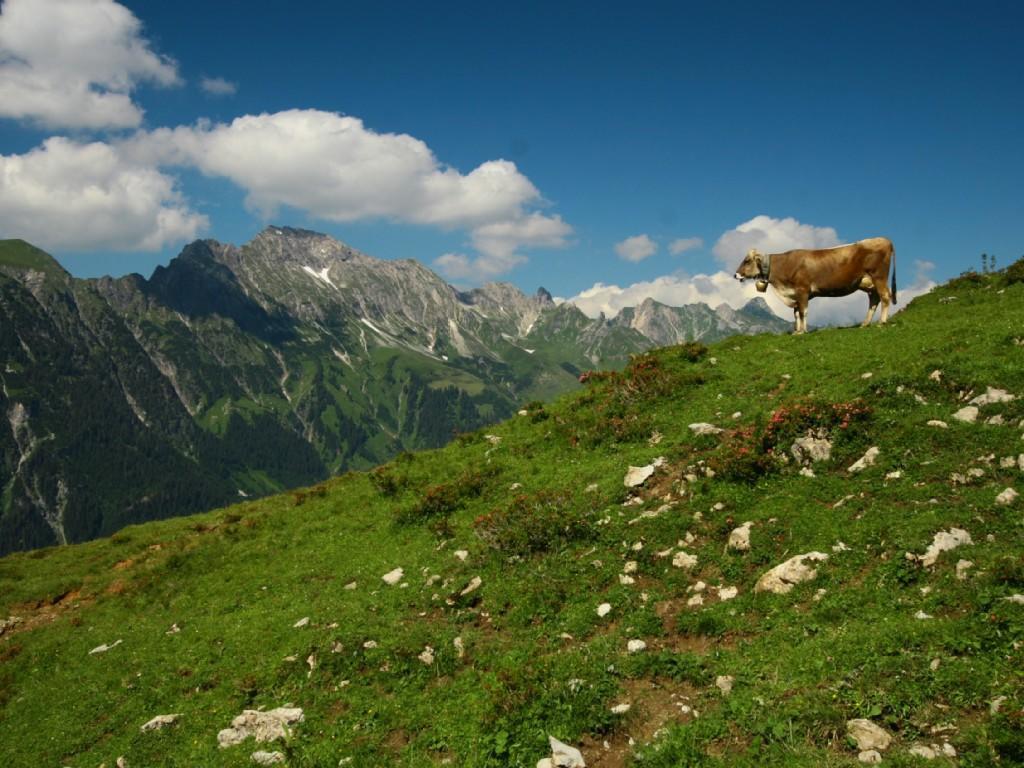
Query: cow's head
pixel 753 265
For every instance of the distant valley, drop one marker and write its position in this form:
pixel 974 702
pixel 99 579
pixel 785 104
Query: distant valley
pixel 240 371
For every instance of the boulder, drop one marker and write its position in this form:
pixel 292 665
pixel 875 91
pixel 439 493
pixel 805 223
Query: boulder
pixel 635 646
pixel 870 756
pixel 684 560
pixel 1007 497
pixel 636 476
pixel 810 449
pixel 724 684
pixel 564 756
pixel 262 726
pixel 393 577
pixel 739 538
pixel 703 428
pixel 993 395
pixel 782 578
pixel 868 735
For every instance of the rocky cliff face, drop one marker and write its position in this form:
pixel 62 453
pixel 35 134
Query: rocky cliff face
pixel 243 370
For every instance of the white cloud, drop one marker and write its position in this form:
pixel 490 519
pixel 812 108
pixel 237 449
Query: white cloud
pixel 770 235
pixel 74 63
pixel 335 168
pixel 78 197
pixel 218 86
pixel 636 248
pixel 721 287
pixel 683 244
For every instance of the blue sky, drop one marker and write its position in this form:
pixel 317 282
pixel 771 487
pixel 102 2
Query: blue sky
pixel 805 124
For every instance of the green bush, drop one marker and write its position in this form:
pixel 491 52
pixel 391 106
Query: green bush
pixel 534 523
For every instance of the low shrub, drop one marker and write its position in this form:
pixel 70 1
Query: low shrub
pixel 439 501
pixel 534 523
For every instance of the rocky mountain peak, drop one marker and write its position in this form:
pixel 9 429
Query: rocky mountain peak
pixel 299 246
pixel 544 297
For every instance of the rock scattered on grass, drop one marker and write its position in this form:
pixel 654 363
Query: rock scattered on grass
pixel 739 538
pixel 474 584
pixel 944 541
pixel 996 704
pixel 921 750
pixel 562 756
pixel 461 554
pixel 604 609
pixel 160 721
pixel 727 593
pixel 267 758
pixel 868 735
pixel 968 414
pixel 620 709
pixel 393 577
pixel 724 684
pixel 426 655
pixel 806 472
pixel 635 646
pixel 352 585
pixel 865 461
pixel 684 560
pixel 870 756
pixel 1007 497
pixel 810 449
pixel 703 428
pixel 304 621
pixel 1017 598
pixel 993 395
pixel 922 616
pixel 962 566
pixel 9 623
pixel 783 577
pixel 175 629
pixel 104 648
pixel 262 726
pixel 637 476
pixel 938 423
pixel 460 647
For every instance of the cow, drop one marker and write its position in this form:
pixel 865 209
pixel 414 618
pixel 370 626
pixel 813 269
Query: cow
pixel 798 276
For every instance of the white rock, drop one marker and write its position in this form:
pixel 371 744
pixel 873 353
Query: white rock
pixel 840 547
pixel 460 648
pixel 267 758
pixel 393 577
pixel 935 664
pixel 968 414
pixel 523 412
pixel 944 541
pixel 636 476
pixel 995 421
pixel 684 560
pixel 1018 599
pixel 426 655
pixel 699 586
pixel 870 756
pixel 591 488
pixel 894 475
pixel 262 726
pixel 811 449
pixel 564 756
pixel 1007 497
pixel 783 577
pixel 1008 462
pixel 739 538
pixel 694 601
pixel 818 594
pixel 948 749
pixel 461 554
pixel 620 709
pixel 175 629
pixel 727 593
pixel 737 415
pixel 160 721
pixel 370 644
pixel 351 585
pixel 474 584
pixel 938 423
pixel 868 735
pixel 996 704
pixel 493 439
pixel 922 615
pixel 724 684
pixel 867 375
pixel 604 609
pixel 920 750
pixel 993 395
pixel 935 375
pixel 104 648
pixel 625 579
pixel 962 567
pixel 301 623
pixel 703 428
pixel 635 646
pixel 630 566
pixel 865 461
pixel 806 472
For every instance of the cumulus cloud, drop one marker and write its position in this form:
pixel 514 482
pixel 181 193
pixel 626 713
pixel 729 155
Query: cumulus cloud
pixel 335 168
pixel 218 86
pixel 75 63
pixel 684 244
pixel 770 235
pixel 721 287
pixel 84 196
pixel 636 248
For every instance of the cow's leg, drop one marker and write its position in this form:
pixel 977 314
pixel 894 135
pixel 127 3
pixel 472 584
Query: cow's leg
pixel 801 314
pixel 873 298
pixel 883 291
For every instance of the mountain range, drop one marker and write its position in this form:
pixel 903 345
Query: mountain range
pixel 239 371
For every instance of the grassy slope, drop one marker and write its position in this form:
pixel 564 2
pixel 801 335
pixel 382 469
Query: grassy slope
pixel 236 580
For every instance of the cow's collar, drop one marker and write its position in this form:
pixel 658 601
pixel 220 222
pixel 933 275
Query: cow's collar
pixel 764 268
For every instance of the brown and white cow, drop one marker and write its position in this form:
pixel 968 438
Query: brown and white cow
pixel 798 276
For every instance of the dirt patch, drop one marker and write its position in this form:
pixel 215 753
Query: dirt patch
pixel 123 565
pixel 397 740
pixel 654 705
pixel 36 614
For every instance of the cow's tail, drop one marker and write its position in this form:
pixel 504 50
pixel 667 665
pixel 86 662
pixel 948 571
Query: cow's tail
pixel 892 251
